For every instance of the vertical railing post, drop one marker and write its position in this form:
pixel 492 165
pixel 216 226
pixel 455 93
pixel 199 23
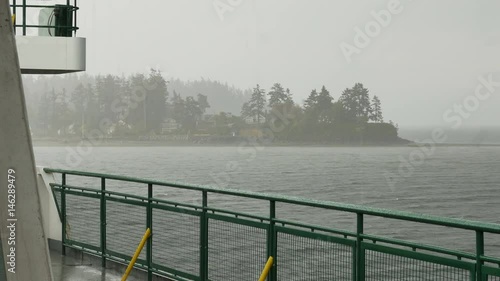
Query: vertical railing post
pixel 103 222
pixel 24 17
pixel 149 224
pixel 479 254
pixel 271 240
pixel 204 238
pixel 63 213
pixel 74 18
pixel 14 12
pixel 360 254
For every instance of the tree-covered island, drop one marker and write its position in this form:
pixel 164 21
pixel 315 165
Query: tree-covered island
pixel 149 108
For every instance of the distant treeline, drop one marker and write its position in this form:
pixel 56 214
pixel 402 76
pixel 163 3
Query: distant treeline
pixel 139 105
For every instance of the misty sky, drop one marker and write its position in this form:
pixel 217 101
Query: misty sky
pixel 424 61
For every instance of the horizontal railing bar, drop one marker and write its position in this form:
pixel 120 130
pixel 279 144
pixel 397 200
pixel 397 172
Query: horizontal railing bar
pixel 240 221
pixel 170 272
pixel 41 6
pixel 139 265
pixel 75 187
pixel 140 262
pixel 161 201
pixel 400 215
pixel 458 254
pixel 83 249
pixel 82 193
pixel 70 242
pixel 127 201
pixel 490 259
pixel 237 214
pixel 47 26
pixel 142 198
pixel 98 191
pixel 316 235
pixel 167 202
pixel 470 266
pixel 170 208
pixel 316 227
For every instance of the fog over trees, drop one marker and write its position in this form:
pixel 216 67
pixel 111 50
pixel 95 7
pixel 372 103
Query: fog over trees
pixel 141 105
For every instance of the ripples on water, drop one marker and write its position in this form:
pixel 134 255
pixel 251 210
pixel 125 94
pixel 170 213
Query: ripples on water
pixel 460 182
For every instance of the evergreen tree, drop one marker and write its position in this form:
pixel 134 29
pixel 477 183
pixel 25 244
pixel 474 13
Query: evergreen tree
pixel 136 116
pixel 349 105
pixel 356 102
pixel 107 90
pixel 256 105
pixel 178 108
pixel 246 110
pixel 61 115
pixel 318 106
pixel 92 110
pixel 339 114
pixel 376 114
pixel 202 103
pixel 278 96
pixel 311 101
pixel 79 99
pixel 156 100
pixel 324 106
pixel 45 109
pixel 193 114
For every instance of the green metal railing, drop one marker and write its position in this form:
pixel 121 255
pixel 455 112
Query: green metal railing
pixel 200 242
pixel 68 17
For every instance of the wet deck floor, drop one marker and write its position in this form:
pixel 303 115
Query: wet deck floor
pixel 66 268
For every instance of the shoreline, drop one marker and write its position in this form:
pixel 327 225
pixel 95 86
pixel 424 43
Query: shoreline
pixel 128 143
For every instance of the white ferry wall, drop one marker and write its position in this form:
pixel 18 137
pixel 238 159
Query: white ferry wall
pixel 51 55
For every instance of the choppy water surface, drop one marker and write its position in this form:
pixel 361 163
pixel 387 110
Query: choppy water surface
pixel 460 182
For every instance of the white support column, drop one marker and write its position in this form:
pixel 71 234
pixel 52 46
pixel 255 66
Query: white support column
pixel 32 260
pixel 51 220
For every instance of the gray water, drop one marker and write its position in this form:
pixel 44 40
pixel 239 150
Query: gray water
pixel 459 182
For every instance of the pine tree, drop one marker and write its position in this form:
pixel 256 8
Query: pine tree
pixel 137 106
pixel 278 96
pixel 356 102
pixel 156 99
pixel 202 103
pixel 178 107
pixel 376 114
pixel 311 101
pixel 324 106
pixel 45 108
pixel 79 99
pixel 255 107
pixel 318 106
pixel 363 108
pixel 61 118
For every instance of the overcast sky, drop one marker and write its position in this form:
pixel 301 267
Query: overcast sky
pixel 426 59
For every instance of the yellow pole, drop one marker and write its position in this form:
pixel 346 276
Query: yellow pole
pixel 13 19
pixel 268 266
pixel 137 253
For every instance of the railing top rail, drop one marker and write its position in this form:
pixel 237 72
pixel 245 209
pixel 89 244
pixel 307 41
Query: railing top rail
pixel 351 208
pixel 40 6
